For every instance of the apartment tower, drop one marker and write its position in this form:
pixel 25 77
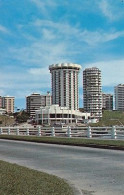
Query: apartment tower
pixel 107 101
pixel 64 78
pixel 92 92
pixel 35 101
pixel 8 103
pixel 119 97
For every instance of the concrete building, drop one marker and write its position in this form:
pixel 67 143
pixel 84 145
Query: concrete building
pixel 92 91
pixel 64 78
pixel 2 111
pixel 119 97
pixel 35 101
pixel 55 114
pixel 8 103
pixel 1 102
pixel 107 101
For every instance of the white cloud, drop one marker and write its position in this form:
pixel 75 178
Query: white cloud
pixel 39 71
pixel 40 53
pixel 105 8
pixel 41 4
pixel 111 9
pixel 3 29
pixel 44 5
pixel 98 37
pixel 112 71
pixel 66 32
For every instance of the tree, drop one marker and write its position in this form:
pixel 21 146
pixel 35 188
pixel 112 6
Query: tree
pixel 22 116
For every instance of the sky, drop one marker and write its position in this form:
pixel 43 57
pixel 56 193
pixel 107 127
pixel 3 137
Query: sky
pixel 37 33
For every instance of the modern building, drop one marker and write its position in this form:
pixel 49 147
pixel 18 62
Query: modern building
pixel 119 97
pixel 92 91
pixel 107 101
pixel 8 103
pixel 64 79
pixel 35 101
pixel 54 114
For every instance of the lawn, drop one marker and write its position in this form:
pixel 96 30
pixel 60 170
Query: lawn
pixel 18 180
pixel 111 118
pixel 113 144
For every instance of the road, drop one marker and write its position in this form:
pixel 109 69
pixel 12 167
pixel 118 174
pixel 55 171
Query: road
pixel 93 171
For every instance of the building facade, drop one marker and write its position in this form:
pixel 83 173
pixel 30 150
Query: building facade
pixel 119 97
pixel 8 103
pixel 64 78
pixel 54 114
pixel 1 102
pixel 107 101
pixel 35 101
pixel 92 91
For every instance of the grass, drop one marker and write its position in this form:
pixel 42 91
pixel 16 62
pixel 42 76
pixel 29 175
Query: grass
pixel 18 180
pixel 111 118
pixel 115 144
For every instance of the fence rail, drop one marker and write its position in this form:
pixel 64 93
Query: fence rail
pixel 115 132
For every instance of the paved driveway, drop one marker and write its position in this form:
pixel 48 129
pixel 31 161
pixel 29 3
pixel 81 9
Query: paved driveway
pixel 93 171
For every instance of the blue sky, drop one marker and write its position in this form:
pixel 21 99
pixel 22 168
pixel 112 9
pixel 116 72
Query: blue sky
pixel 37 33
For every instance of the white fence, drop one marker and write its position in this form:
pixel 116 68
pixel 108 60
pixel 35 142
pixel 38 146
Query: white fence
pixel 86 132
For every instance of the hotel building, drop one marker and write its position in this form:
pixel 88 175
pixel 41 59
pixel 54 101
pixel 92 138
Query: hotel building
pixel 92 92
pixel 64 108
pixel 64 79
pixel 35 101
pixel 119 97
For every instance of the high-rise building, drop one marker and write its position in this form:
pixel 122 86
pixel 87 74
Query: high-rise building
pixel 107 101
pixel 8 103
pixel 119 97
pixel 35 101
pixel 92 91
pixel 65 85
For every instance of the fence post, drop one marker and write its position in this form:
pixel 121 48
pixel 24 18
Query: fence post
pixel 1 131
pixel 9 131
pixel 17 131
pixel 53 132
pixel 113 133
pixel 39 131
pixel 89 132
pixel 27 131
pixel 69 131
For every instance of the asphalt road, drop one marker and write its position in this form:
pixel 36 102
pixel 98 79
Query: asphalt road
pixel 93 171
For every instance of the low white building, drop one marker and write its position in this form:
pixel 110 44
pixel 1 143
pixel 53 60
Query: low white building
pixel 55 114
pixel 2 111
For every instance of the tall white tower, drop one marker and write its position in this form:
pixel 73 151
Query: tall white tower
pixel 119 97
pixel 65 84
pixel 92 91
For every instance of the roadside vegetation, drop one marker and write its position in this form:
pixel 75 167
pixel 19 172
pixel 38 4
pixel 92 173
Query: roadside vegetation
pixel 6 120
pixel 15 118
pixel 112 144
pixel 15 179
pixel 111 118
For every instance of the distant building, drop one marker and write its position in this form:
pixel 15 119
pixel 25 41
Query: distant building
pixel 107 101
pixel 55 114
pixel 35 101
pixel 64 79
pixel 119 97
pixel 2 111
pixel 1 102
pixel 8 104
pixel 92 92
